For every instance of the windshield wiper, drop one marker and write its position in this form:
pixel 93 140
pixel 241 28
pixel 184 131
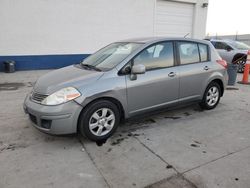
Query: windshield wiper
pixel 91 67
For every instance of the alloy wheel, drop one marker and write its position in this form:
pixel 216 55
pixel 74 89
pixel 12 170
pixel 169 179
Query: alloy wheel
pixel 102 122
pixel 212 96
pixel 241 66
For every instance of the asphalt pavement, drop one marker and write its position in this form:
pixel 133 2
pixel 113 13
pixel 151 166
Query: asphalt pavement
pixel 179 147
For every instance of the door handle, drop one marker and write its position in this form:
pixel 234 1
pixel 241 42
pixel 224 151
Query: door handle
pixel 171 74
pixel 206 68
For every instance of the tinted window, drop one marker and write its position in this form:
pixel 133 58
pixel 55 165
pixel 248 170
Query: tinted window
pixel 157 56
pixel 189 52
pixel 221 45
pixel 203 52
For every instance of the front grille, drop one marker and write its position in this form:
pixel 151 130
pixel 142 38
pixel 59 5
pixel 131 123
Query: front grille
pixel 37 97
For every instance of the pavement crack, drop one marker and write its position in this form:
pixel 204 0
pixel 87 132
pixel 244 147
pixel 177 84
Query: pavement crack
pixel 179 174
pixel 177 181
pixel 221 157
pixel 158 156
pixel 92 160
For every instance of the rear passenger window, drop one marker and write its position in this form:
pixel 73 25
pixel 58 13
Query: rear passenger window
pixel 203 52
pixel 188 52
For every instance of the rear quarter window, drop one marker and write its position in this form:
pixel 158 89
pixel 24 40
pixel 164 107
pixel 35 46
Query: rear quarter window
pixel 203 49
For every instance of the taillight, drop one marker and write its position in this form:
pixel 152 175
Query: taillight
pixel 222 62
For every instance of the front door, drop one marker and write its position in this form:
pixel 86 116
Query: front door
pixel 226 52
pixel 159 86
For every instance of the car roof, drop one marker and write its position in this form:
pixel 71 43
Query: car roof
pixel 222 40
pixel 159 39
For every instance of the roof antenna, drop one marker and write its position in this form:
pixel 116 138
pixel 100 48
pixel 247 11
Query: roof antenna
pixel 185 36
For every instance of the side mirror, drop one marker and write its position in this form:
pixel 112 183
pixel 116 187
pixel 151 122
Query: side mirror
pixel 228 48
pixel 138 69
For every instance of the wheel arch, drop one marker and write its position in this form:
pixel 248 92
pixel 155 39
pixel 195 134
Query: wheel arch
pixel 238 56
pixel 107 98
pixel 219 81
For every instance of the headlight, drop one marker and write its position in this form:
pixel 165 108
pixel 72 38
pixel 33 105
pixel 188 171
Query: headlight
pixel 62 96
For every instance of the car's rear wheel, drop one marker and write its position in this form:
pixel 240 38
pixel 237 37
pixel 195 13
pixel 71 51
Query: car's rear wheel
pixel 99 120
pixel 241 65
pixel 211 97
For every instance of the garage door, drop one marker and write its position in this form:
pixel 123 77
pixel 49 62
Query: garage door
pixel 173 18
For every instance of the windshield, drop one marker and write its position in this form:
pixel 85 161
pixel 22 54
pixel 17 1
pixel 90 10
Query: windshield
pixel 111 55
pixel 240 45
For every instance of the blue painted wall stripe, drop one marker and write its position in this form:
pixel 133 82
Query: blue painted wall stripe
pixel 34 62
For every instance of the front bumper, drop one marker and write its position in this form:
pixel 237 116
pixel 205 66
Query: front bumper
pixel 57 120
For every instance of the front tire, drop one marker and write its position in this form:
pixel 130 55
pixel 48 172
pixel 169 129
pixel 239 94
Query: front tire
pixel 211 97
pixel 99 120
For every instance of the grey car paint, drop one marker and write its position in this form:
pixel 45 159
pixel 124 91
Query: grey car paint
pixel 64 117
pixel 229 55
pixel 67 76
pixel 148 92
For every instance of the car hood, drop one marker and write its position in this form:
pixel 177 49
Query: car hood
pixel 71 76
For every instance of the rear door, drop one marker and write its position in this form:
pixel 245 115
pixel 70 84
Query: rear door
pixel 195 68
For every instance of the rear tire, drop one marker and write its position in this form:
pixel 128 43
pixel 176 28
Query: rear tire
pixel 99 120
pixel 211 97
pixel 241 66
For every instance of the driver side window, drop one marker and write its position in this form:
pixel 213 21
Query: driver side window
pixel 160 55
pixel 221 46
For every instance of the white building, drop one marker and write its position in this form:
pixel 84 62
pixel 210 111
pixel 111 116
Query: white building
pixel 55 33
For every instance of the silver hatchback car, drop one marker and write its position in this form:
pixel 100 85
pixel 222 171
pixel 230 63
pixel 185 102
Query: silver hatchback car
pixel 124 79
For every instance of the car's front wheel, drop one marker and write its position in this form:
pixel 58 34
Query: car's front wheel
pixel 211 97
pixel 99 120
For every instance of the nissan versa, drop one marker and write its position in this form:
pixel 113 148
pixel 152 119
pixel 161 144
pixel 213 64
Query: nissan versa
pixel 124 79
